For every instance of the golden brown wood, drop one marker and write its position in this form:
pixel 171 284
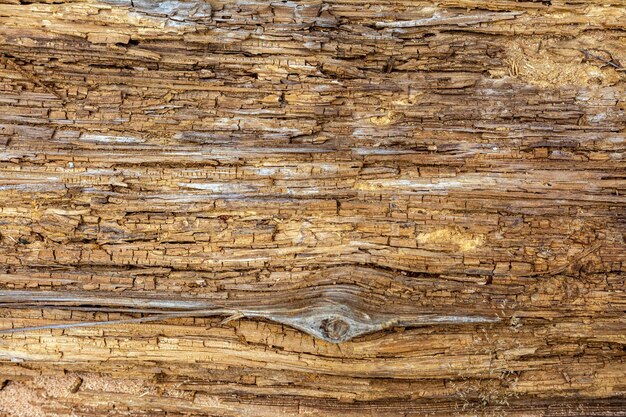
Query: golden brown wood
pixel 312 208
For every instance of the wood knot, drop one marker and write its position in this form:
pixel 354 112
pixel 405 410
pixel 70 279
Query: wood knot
pixel 334 328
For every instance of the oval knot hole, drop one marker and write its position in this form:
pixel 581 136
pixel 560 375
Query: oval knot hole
pixel 334 328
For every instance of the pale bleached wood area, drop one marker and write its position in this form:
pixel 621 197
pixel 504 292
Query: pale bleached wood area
pixel 312 207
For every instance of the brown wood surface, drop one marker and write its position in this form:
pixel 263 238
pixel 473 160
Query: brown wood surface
pixel 312 207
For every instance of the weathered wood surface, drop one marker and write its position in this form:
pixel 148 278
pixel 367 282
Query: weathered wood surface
pixel 437 186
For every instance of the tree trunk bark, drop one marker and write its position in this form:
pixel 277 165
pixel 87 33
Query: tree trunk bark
pixel 312 207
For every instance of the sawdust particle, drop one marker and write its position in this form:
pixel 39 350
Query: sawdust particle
pixel 386 119
pixel 464 242
pixel 551 63
pixel 19 400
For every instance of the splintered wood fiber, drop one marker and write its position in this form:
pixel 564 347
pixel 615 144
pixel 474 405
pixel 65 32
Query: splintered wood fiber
pixel 312 207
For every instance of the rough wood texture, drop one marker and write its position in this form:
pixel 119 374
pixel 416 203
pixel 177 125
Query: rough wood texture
pixel 312 207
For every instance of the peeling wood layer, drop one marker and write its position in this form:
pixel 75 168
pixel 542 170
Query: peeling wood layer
pixel 312 207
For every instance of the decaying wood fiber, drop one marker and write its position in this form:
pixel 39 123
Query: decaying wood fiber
pixel 312 208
